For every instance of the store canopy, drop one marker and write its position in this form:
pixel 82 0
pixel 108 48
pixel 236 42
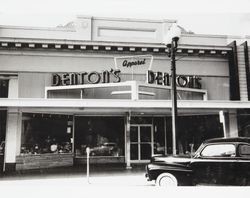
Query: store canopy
pixel 112 103
pixel 132 89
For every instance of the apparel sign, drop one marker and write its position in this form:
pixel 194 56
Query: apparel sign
pixel 127 63
pixel 83 77
pixel 134 64
pixel 161 78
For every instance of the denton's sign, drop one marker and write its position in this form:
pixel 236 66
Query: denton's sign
pixel 163 78
pixel 94 77
pixel 113 76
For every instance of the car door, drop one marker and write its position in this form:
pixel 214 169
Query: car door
pixel 215 164
pixel 242 172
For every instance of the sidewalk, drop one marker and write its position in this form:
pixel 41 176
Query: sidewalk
pixel 104 182
pixel 72 181
pixel 102 186
pixel 99 175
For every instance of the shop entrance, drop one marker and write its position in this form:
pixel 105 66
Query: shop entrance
pixel 141 140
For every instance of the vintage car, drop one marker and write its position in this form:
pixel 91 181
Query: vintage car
pixel 106 149
pixel 219 161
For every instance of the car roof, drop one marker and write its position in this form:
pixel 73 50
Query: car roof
pixel 232 139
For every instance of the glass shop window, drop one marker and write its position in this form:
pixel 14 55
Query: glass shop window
pixel 140 120
pixel 159 136
pixel 243 117
pixel 46 133
pixel 4 87
pixel 103 135
pixel 193 130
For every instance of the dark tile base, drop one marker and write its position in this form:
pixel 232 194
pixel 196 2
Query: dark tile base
pixel 10 167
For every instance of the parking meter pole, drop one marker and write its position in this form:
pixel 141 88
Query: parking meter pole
pixel 222 120
pixel 88 151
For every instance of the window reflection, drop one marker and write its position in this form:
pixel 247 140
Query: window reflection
pixel 46 133
pixel 103 135
pixel 224 150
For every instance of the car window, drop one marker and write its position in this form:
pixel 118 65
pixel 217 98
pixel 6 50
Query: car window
pixel 244 150
pixel 219 150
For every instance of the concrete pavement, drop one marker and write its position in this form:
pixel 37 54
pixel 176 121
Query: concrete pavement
pixel 103 182
pixel 106 186
pixel 114 182
pixel 99 175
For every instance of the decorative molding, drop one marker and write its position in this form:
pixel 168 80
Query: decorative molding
pixel 123 47
pixel 108 103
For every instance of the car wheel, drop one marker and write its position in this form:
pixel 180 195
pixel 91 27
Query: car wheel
pixel 166 179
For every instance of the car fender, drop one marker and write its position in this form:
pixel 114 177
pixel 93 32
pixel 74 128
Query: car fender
pixel 169 167
pixel 178 170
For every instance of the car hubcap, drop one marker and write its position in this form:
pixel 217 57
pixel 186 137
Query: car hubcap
pixel 167 181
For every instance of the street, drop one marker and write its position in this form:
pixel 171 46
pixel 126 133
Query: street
pixel 116 185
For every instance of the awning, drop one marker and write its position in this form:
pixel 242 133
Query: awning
pixel 115 103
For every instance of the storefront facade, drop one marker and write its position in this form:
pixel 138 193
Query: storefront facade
pixel 105 84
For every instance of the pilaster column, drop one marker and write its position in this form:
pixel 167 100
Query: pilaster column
pixel 13 130
pixel 11 139
pixel 127 136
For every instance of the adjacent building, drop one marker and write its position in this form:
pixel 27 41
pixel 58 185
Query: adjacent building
pixel 105 83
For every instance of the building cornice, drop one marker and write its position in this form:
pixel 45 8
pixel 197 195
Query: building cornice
pixel 104 46
pixel 127 19
pixel 61 29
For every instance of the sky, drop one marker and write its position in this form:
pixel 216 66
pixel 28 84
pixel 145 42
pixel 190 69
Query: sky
pixel 220 17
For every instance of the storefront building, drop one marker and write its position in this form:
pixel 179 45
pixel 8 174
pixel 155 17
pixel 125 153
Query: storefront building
pixel 105 84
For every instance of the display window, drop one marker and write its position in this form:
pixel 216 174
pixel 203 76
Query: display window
pixel 244 122
pixel 4 86
pixel 103 135
pixel 46 133
pixel 193 130
pixel 159 135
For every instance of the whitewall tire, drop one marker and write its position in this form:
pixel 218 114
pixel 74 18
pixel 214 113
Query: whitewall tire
pixel 166 179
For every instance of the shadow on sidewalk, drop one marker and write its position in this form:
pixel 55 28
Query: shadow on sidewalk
pixel 76 171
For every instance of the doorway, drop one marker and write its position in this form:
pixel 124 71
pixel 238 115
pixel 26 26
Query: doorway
pixel 141 140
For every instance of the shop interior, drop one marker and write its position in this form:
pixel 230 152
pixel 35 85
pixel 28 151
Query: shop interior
pixel 46 133
pixel 103 135
pixel 192 131
pixel 244 122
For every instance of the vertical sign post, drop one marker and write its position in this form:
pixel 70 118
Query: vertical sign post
pixel 88 151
